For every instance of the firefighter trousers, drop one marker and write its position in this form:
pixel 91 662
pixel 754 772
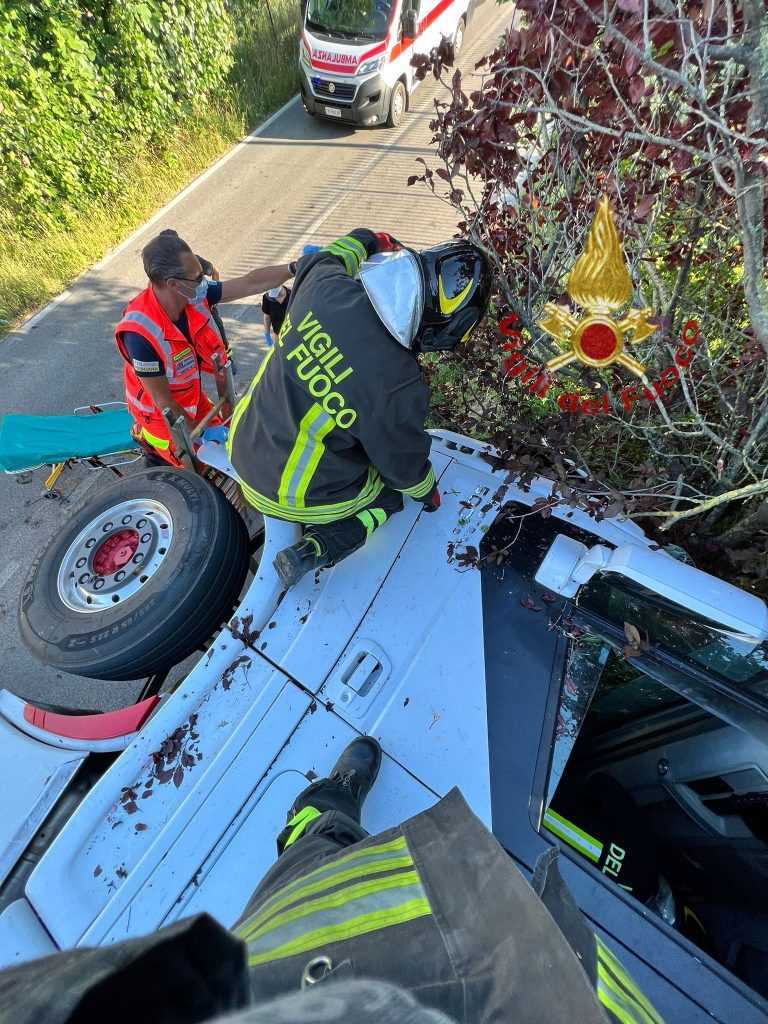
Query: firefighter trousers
pixel 341 538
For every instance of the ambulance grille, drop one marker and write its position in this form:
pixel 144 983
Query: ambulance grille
pixel 344 92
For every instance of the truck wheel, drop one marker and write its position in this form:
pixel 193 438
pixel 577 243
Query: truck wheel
pixel 397 105
pixel 137 578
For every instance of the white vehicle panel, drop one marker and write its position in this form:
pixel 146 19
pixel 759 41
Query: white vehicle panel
pixel 247 850
pixel 114 841
pixel 22 936
pixel 316 619
pixel 40 773
pixel 413 674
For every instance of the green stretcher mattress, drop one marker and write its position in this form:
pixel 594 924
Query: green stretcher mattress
pixel 30 441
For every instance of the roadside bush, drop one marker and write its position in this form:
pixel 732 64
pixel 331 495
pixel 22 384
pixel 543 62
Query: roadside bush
pixel 107 109
pixel 80 86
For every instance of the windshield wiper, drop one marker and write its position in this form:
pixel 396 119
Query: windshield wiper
pixel 318 27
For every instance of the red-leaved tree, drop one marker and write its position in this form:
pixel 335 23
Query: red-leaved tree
pixel 662 107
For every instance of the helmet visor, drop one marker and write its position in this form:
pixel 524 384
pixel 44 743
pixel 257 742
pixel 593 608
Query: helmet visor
pixel 396 290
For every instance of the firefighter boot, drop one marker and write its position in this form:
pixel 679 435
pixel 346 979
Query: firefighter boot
pixel 356 770
pixel 307 555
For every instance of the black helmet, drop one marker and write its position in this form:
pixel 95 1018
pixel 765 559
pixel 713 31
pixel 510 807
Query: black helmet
pixel 457 289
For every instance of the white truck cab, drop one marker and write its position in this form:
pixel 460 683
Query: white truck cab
pixel 355 58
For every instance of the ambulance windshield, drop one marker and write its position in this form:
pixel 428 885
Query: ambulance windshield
pixel 349 19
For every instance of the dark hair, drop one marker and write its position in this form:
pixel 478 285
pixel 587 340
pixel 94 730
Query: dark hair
pixel 162 256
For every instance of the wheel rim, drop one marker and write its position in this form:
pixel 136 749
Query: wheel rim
pixel 398 104
pixel 112 559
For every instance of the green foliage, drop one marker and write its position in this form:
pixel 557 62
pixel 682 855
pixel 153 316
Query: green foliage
pixel 107 109
pixel 81 86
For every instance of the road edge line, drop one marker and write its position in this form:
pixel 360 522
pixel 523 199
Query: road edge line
pixel 34 318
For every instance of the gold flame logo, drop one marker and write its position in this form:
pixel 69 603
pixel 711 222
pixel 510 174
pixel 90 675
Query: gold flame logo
pixel 599 282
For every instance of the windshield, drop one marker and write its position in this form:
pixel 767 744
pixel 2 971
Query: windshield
pixel 350 19
pixel 705 644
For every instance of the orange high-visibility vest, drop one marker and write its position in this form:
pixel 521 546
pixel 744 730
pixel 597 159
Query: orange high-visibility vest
pixel 183 361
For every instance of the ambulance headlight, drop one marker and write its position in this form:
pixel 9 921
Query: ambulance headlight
pixel 370 66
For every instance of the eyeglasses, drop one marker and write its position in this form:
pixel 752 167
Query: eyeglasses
pixel 192 280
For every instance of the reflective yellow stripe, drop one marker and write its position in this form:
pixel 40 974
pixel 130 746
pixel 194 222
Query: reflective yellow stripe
pixel 298 450
pixel 335 901
pixel 314 459
pixel 379 515
pixel 620 988
pixel 348 258
pixel 356 926
pixel 298 824
pixel 370 867
pixel 242 405
pixel 573 835
pixel 353 243
pixel 316 513
pixel 341 869
pixel 304 458
pixel 366 519
pixel 421 489
pixel 157 442
pixel 447 305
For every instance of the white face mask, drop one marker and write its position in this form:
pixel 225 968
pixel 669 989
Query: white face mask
pixel 200 292
pixel 394 285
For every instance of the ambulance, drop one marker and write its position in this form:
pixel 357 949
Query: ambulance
pixel 355 55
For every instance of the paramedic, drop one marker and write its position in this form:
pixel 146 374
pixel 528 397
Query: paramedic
pixel 167 336
pixel 331 432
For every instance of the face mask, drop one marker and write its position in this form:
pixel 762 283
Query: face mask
pixel 394 286
pixel 200 292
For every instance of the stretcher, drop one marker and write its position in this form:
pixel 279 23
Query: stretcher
pixel 99 435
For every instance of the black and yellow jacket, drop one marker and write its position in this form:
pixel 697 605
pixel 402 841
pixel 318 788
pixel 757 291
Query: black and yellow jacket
pixel 336 411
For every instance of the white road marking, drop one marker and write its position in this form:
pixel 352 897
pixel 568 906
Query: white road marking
pixel 10 570
pixel 35 319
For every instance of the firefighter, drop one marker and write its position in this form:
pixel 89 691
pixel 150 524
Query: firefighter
pixel 167 335
pixel 434 906
pixel 331 431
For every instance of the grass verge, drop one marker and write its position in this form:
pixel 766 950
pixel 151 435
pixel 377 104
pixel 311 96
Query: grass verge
pixel 35 268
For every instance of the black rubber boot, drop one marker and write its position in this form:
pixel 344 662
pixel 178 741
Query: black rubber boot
pixel 357 768
pixel 347 786
pixel 293 563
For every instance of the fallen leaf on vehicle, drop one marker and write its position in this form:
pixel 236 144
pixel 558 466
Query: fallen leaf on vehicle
pixel 140 826
pixel 121 872
pixel 468 558
pixel 528 602
pixel 131 807
pixel 97 870
pixel 548 598
pixel 178 777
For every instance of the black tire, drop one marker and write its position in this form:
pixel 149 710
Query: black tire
pixel 197 579
pixel 398 104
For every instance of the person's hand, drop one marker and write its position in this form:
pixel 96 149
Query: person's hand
pixel 432 503
pixel 217 434
pixel 267 338
pixel 387 243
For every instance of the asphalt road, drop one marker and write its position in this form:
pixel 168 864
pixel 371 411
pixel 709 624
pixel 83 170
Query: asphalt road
pixel 299 181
